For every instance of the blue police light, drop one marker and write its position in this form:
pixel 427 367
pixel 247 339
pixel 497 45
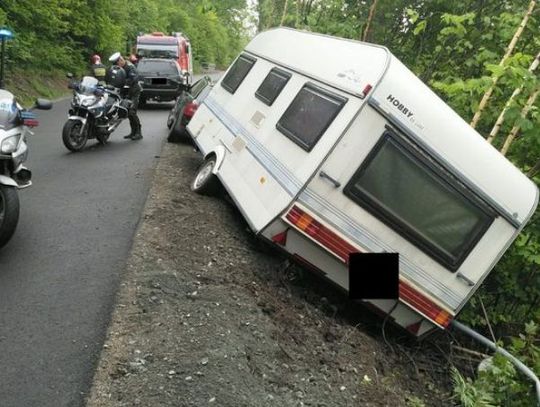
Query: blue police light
pixel 5 33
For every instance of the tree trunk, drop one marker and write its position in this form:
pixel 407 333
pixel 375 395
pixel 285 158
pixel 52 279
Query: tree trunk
pixel 534 170
pixel 513 133
pixel 284 14
pixel 509 50
pixel 500 119
pixel 365 36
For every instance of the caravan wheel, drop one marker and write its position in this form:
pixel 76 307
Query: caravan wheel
pixel 206 182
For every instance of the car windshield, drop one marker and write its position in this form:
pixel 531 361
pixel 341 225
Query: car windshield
pixel 157 53
pixel 158 68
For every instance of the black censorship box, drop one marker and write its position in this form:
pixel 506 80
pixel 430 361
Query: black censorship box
pixel 373 276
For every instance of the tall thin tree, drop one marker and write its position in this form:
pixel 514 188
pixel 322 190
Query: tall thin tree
pixel 513 133
pixel 517 91
pixel 365 36
pixel 507 54
pixel 284 14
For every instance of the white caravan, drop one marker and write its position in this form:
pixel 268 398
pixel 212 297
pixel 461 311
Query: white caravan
pixel 330 146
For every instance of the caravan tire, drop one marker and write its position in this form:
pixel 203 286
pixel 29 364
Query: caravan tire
pixel 205 181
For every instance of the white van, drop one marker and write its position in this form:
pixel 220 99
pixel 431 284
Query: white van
pixel 330 146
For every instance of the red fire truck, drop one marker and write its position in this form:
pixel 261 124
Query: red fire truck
pixel 175 46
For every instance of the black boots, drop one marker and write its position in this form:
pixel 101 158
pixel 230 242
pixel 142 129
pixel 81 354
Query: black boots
pixel 137 135
pixel 134 135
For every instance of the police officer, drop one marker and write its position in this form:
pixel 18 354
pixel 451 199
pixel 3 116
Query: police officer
pixel 133 94
pixel 97 69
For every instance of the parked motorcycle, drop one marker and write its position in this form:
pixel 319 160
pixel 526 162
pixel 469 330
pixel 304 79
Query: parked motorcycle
pixel 96 111
pixel 15 124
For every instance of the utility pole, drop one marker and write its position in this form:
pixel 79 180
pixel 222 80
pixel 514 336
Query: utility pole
pixel 5 34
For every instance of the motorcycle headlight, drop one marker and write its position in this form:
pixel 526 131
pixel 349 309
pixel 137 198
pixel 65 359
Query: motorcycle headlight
pixel 89 101
pixel 9 145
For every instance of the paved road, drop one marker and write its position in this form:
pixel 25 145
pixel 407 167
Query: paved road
pixel 60 272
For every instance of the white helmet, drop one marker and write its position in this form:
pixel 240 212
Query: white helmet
pixel 115 57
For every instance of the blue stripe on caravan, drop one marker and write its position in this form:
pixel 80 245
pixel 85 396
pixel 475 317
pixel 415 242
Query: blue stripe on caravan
pixel 273 165
pixel 358 234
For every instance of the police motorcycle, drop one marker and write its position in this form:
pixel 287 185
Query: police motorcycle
pixel 15 124
pixel 97 109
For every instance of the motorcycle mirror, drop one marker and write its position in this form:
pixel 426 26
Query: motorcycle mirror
pixel 69 75
pixel 43 104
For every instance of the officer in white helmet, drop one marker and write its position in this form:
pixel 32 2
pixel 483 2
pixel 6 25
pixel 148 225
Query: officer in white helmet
pixel 132 80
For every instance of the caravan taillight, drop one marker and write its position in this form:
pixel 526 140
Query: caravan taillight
pixel 190 109
pixel 321 234
pixel 424 305
pixel 367 89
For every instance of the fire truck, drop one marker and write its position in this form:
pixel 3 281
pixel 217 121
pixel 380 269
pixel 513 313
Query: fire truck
pixel 175 46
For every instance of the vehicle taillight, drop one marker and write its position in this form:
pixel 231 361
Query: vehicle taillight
pixel 190 109
pixel 29 119
pixel 30 122
pixel 320 233
pixel 423 304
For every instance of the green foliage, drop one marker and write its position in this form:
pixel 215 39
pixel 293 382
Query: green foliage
pixel 62 34
pixel 499 383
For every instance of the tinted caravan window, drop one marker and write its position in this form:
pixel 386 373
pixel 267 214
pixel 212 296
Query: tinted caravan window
pixel 238 72
pixel 272 85
pixel 309 115
pixel 407 191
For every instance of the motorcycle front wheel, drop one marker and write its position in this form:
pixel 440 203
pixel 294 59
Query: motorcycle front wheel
pixel 73 137
pixel 9 213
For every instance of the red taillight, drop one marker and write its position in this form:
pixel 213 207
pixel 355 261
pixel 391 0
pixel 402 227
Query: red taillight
pixel 423 304
pixel 367 89
pixel 190 109
pixel 30 122
pixel 320 233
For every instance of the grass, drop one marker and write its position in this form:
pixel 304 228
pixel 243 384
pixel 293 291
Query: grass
pixel 27 85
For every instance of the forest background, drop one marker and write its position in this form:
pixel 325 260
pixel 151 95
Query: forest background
pixel 457 47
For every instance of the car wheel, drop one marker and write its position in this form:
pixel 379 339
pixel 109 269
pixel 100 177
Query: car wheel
pixel 178 132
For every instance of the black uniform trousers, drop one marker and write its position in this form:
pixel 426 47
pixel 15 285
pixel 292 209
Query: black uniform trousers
pixel 133 95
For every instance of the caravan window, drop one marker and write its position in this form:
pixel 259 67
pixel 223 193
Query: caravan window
pixel 272 85
pixel 406 190
pixel 309 115
pixel 238 72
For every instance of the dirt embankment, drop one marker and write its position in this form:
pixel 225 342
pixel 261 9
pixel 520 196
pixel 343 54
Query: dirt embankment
pixel 27 85
pixel 208 315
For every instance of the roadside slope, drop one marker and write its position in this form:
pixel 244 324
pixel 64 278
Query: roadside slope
pixel 206 314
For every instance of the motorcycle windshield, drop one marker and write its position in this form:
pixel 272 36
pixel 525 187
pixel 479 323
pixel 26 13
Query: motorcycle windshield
pixel 88 85
pixel 9 111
